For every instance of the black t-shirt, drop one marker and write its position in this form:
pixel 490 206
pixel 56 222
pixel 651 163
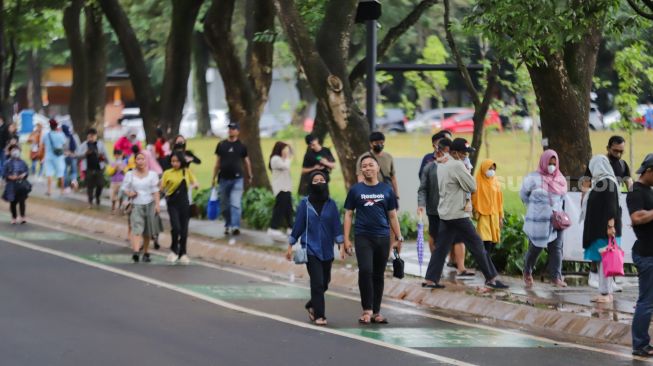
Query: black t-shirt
pixel 641 198
pixel 231 159
pixel 313 158
pixel 620 168
pixel 93 157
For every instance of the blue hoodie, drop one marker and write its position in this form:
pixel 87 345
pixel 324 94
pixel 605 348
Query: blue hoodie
pixel 323 230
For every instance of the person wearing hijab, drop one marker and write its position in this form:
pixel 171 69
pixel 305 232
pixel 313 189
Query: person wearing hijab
pixel 602 219
pixel 317 226
pixel 543 192
pixel 126 142
pixel 487 202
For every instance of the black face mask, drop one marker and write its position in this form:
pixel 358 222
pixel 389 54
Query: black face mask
pixel 180 146
pixel 319 191
pixel 377 148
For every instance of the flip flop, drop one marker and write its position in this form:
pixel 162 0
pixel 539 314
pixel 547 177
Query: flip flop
pixel 320 322
pixel 379 319
pixel 366 318
pixel 647 351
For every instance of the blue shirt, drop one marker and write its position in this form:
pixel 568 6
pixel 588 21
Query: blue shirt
pixel 51 140
pixel 371 204
pixel 317 232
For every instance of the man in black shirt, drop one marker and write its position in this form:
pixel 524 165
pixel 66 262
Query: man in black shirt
pixel 640 207
pixel 229 173
pixel 316 158
pixel 94 157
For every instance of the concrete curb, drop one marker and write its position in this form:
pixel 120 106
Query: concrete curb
pixel 458 302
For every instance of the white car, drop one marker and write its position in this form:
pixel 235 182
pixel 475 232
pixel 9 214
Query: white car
pixel 219 122
pixel 614 116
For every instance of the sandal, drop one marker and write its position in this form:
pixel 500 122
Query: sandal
pixel 366 318
pixel 432 285
pixel 311 314
pixel 320 322
pixel 647 351
pixel 379 319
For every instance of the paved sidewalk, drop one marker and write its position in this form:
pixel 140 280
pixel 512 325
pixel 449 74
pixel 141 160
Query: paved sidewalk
pixel 574 299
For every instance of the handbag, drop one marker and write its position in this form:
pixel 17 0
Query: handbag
pixel 213 206
pixel 397 265
pixel 301 253
pixel 559 219
pixel 612 259
pixel 58 151
pixel 23 187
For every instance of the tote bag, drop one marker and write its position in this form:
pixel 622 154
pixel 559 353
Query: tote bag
pixel 612 259
pixel 213 206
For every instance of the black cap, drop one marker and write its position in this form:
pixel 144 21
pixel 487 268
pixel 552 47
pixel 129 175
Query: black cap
pixel 646 164
pixel 460 144
pixel 233 125
pixel 377 136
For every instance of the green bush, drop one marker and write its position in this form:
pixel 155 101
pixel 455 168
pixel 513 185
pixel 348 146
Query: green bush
pixel 408 226
pixel 290 132
pixel 257 208
pixel 201 199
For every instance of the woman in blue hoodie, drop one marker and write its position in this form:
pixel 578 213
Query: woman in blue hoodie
pixel 318 226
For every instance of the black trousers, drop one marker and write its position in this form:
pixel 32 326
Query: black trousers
pixel 179 212
pixel 372 255
pixel 282 211
pixel 21 204
pixel 320 273
pixel 94 185
pixel 452 231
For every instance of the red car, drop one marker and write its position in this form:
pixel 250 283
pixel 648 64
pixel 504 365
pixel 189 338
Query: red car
pixel 462 122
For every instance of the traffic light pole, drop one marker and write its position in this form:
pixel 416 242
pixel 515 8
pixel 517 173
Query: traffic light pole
pixel 371 72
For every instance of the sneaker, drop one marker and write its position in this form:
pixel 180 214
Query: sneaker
pixel 235 231
pixel 146 258
pixel 135 257
pixel 496 284
pixel 184 259
pixel 226 230
pixel 593 280
pixel 172 257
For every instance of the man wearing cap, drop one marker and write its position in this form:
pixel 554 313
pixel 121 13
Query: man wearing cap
pixel 640 207
pixel 386 163
pixel 454 184
pixel 228 172
pixel 54 159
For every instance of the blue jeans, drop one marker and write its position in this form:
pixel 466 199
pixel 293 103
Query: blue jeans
pixel 555 257
pixel 644 307
pixel 231 193
pixel 70 173
pixel 2 161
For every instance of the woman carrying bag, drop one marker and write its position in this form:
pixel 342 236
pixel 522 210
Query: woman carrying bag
pixel 17 187
pixel 317 226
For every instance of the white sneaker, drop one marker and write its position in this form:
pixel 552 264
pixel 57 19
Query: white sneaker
pixel 184 259
pixel 593 280
pixel 172 257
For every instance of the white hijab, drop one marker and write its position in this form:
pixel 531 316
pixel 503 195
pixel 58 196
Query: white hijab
pixel 600 169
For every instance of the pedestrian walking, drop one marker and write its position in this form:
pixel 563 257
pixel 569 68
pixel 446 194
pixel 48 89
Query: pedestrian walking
pixel 317 157
pixel 16 188
pixel 601 214
pixel 53 146
pixel 180 145
pixel 71 171
pixel 142 186
pixel 162 150
pixel 640 207
pixel 228 171
pixel 116 171
pixel 175 183
pixel 375 206
pixel 93 155
pixel 432 156
pixel 544 192
pixel 280 160
pixel 317 226
pixel 487 203
pixel 455 183
pixel 126 142
pixel 36 149
pixel 387 173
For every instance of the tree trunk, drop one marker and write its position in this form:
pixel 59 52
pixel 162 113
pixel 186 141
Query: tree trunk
pixel 135 63
pixel 96 60
pixel 246 88
pixel 200 58
pixel 306 100
pixel 562 88
pixel 320 129
pixel 34 83
pixel 78 107
pixel 3 60
pixel 480 114
pixel 177 66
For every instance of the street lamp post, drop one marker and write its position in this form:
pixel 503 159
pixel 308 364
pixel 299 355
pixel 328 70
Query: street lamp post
pixel 368 12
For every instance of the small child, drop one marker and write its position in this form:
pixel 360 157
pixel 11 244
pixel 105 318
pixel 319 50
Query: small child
pixel 117 173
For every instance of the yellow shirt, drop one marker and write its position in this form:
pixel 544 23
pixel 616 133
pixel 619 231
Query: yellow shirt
pixel 172 178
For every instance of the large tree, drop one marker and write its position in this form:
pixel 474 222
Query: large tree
pixel 559 43
pixel 324 59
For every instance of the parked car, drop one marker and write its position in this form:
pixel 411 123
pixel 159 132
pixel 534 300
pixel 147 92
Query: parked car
pixel 614 116
pixel 392 120
pixel 432 120
pixel 463 122
pixel 218 119
pixel 596 118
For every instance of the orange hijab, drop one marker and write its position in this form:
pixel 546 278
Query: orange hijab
pixel 488 199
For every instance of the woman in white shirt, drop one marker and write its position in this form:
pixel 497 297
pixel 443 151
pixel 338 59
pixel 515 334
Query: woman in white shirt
pixel 142 186
pixel 282 214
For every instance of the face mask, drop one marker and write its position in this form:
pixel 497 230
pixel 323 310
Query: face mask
pixel 180 146
pixel 319 191
pixel 377 148
pixel 551 169
pixel 490 173
pixel 15 154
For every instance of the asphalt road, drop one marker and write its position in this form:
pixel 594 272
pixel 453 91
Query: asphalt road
pixel 73 300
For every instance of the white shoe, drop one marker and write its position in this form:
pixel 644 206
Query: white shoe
pixel 172 257
pixel 184 259
pixel 616 287
pixel 593 280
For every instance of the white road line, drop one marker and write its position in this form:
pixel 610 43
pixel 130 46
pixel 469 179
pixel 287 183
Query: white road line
pixel 385 305
pixel 231 306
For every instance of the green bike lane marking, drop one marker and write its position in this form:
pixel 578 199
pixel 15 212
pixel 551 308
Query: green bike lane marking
pixel 250 292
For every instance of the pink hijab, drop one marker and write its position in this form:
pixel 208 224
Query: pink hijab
pixel 554 183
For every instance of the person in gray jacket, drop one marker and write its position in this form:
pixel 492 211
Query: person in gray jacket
pixel 94 157
pixel 454 184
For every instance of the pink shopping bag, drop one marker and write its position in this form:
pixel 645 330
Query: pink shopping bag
pixel 612 259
